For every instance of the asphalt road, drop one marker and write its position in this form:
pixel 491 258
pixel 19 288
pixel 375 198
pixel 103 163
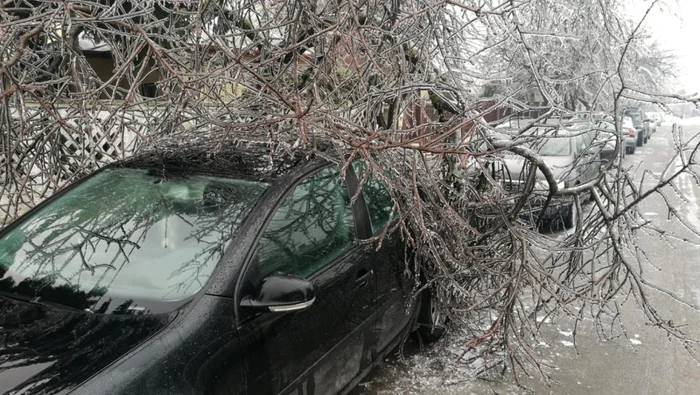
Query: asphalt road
pixel 643 362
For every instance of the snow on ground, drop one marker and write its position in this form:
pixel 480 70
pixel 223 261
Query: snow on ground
pixel 646 363
pixel 695 121
pixel 439 369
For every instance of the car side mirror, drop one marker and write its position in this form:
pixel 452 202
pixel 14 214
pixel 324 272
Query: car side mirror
pixel 280 293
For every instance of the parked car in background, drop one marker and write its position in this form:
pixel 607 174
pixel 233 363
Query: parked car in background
pixel 607 138
pixel 573 158
pixel 656 118
pixel 630 134
pixel 529 125
pixel 641 124
pixel 220 274
pixel 651 126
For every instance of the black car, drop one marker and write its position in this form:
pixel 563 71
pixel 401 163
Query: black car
pixel 228 274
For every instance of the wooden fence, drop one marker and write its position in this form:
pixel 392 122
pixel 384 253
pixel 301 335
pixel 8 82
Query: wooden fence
pixel 45 149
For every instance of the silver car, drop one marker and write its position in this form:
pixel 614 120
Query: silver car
pixel 574 159
pixel 655 117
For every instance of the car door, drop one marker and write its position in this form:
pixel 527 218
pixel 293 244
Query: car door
pixel 645 125
pixel 319 350
pixel 594 158
pixel 612 132
pixel 587 157
pixel 394 284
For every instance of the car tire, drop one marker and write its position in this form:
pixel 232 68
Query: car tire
pixel 431 321
pixel 630 150
pixel 571 215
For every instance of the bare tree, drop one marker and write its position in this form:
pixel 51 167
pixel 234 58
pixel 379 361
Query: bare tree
pixel 410 87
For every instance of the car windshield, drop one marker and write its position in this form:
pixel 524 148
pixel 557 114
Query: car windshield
pixel 555 146
pixel 634 115
pixel 128 234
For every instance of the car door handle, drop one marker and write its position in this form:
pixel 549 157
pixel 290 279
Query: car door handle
pixel 363 277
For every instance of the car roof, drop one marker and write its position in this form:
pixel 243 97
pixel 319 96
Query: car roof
pixel 521 122
pixel 253 161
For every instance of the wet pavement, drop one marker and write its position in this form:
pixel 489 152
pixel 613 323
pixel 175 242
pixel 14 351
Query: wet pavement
pixel 640 360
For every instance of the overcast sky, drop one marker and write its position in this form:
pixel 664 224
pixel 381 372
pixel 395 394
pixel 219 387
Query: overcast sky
pixel 677 27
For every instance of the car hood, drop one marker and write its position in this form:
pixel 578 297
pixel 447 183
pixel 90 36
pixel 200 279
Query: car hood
pixel 46 349
pixel 560 166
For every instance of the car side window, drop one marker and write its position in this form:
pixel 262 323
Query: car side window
pixel 376 196
pixel 579 145
pixel 313 226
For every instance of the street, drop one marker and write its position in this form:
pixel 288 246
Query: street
pixel 642 362
pixel 267 197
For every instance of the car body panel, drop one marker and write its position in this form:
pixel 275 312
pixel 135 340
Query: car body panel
pixel 608 138
pixel 630 141
pixel 579 165
pixel 210 345
pixel 576 167
pixel 394 281
pixel 198 353
pixel 656 117
pixel 57 349
pixel 639 118
pixel 323 347
pixel 394 291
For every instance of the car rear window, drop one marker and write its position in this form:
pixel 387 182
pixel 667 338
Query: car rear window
pixel 128 234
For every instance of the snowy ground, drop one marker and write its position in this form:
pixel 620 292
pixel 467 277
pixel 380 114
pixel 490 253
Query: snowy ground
pixel 644 362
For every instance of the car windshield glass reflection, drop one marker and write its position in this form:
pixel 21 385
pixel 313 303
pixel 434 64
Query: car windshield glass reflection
pixel 126 234
pixel 634 115
pixel 555 147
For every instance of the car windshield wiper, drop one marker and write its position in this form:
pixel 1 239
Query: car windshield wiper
pixel 40 302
